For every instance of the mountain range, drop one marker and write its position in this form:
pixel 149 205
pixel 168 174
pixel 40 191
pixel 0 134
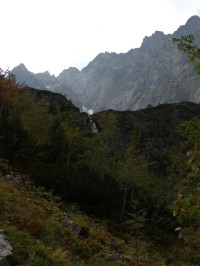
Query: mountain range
pixel 155 73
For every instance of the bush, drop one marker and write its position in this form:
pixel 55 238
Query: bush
pixel 81 250
pixel 5 168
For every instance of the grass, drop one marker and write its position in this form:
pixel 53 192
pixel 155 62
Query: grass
pixel 33 221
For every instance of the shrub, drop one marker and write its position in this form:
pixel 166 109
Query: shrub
pixel 81 250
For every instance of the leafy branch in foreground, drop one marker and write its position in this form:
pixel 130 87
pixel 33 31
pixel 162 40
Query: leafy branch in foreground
pixel 186 44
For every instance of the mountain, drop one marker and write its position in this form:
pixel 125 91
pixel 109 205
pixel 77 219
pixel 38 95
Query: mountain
pixel 154 73
pixel 24 76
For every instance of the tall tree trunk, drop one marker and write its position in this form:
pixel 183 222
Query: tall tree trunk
pixel 124 202
pixel 131 198
pixel 1 109
pixel 137 251
pixel 69 155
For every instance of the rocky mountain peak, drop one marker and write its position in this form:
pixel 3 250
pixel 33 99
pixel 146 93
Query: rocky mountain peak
pixel 105 56
pixel 192 26
pixel 69 74
pixel 20 68
pixel 156 41
pixel 192 21
pixel 46 78
pixel 47 74
pixel 154 73
pixel 23 75
pixel 69 71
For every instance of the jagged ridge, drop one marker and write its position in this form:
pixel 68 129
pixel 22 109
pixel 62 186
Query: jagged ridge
pixel 154 73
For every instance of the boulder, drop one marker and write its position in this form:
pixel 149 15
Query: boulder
pixel 72 225
pixel 5 251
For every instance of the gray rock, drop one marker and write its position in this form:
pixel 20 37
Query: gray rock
pixel 72 225
pixel 7 178
pixel 5 251
pixel 113 257
pixel 118 258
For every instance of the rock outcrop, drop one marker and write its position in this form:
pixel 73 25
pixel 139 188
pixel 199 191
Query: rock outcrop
pixel 71 225
pixel 5 250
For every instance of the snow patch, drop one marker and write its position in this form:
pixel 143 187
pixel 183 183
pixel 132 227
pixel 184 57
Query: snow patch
pixel 88 111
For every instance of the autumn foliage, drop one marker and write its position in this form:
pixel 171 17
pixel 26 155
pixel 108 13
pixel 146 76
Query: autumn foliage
pixel 8 86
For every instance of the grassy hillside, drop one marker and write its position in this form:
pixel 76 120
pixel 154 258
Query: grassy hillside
pixel 37 225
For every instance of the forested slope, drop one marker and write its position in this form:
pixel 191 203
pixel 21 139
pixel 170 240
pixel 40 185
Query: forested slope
pixel 137 175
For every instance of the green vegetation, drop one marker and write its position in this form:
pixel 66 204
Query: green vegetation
pixel 35 223
pixel 132 187
pixel 186 44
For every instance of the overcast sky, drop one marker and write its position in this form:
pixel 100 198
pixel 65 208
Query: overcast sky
pixel 56 34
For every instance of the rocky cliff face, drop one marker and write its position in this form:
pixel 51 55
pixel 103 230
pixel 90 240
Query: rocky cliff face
pixel 154 73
